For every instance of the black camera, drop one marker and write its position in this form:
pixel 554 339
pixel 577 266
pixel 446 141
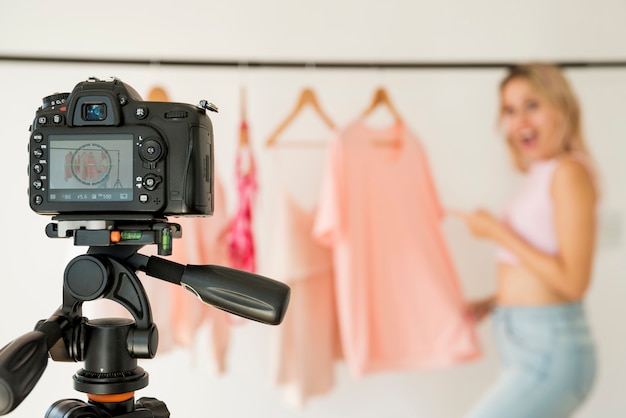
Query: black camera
pixel 103 151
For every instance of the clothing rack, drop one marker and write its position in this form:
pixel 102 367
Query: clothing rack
pixel 400 65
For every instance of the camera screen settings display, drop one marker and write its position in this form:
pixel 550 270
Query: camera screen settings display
pixel 91 168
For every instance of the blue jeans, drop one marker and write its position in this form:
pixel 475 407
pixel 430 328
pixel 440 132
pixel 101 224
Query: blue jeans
pixel 548 363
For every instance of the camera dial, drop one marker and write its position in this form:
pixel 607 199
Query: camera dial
pixel 53 100
pixel 151 150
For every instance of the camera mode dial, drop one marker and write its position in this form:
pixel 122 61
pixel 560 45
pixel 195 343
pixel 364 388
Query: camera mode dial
pixel 53 100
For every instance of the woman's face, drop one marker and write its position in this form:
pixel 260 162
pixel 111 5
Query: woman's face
pixel 532 123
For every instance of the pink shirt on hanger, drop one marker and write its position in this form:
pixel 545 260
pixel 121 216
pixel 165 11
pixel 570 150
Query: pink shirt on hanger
pixel 204 242
pixel 307 342
pixel 399 300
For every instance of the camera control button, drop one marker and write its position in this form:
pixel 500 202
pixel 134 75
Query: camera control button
pixel 53 100
pixel 38 153
pixel 150 182
pixel 144 198
pixel 38 137
pixel 57 119
pixel 141 112
pixel 37 199
pixel 37 184
pixel 42 120
pixel 174 114
pixel 38 168
pixel 151 150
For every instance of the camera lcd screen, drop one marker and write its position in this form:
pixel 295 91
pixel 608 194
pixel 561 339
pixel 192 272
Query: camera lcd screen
pixel 91 168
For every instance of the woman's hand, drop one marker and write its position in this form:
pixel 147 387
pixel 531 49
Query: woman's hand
pixel 479 309
pixel 481 223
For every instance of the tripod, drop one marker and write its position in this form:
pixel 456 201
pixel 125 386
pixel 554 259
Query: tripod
pixel 110 347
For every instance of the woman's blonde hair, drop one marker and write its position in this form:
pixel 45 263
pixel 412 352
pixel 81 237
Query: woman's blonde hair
pixel 548 80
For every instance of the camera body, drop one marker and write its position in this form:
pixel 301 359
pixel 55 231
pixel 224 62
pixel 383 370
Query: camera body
pixel 101 151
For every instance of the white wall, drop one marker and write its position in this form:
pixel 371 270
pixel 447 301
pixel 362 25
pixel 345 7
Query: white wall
pixel 453 111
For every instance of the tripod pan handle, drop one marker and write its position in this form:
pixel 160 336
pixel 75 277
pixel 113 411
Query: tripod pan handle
pixel 239 292
pixel 22 362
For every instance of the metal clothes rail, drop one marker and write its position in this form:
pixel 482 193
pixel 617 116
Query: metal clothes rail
pixel 408 65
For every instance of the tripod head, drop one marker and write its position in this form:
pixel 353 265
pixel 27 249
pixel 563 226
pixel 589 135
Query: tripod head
pixel 110 347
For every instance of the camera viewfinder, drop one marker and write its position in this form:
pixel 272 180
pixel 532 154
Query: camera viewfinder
pixel 94 112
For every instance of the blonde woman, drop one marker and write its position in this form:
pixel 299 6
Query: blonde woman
pixel 546 241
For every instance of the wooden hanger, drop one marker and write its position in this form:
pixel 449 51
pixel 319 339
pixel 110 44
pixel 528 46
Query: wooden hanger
pixel 381 98
pixel 158 94
pixel 307 97
pixel 246 161
pixel 243 128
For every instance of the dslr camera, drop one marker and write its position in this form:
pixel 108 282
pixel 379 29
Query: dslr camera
pixel 101 151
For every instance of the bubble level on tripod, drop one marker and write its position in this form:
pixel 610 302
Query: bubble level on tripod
pixel 117 236
pixel 130 235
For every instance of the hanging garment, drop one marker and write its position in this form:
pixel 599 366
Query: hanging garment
pixel 240 234
pixel 307 342
pixel 399 300
pixel 68 174
pixel 203 242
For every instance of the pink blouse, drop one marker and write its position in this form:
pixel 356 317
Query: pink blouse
pixel 399 300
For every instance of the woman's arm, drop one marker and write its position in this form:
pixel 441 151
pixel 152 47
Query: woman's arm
pixel 575 202
pixel 567 273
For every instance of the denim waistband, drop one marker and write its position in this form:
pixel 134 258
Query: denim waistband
pixel 554 312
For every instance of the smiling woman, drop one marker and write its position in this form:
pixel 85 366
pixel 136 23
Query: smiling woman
pixel 540 114
pixel 546 244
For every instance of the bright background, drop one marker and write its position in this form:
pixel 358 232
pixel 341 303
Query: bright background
pixel 453 111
